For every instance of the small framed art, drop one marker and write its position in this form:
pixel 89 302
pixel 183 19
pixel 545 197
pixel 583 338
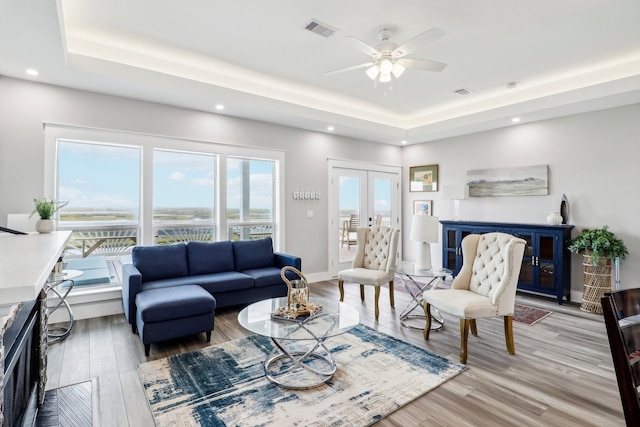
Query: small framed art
pixel 422 207
pixel 423 178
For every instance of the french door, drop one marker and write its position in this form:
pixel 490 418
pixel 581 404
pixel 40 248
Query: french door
pixel 360 196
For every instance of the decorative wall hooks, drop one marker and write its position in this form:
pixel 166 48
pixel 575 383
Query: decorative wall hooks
pixel 305 195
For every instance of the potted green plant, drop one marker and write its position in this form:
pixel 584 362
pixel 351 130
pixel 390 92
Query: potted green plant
pixel 598 248
pixel 598 243
pixel 46 209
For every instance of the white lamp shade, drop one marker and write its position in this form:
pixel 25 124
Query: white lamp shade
pixel 424 228
pixel 454 192
pixel 386 66
pixel 373 72
pixel 397 70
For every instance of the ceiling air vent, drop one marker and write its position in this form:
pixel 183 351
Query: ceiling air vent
pixel 462 91
pixel 319 28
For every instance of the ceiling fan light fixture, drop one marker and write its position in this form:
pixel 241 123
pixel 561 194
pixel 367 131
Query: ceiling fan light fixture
pixel 373 72
pixel 385 77
pixel 398 69
pixel 386 66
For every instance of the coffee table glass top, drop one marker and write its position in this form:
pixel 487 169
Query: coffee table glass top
pixel 335 318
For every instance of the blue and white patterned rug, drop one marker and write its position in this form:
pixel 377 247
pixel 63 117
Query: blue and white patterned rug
pixel 224 385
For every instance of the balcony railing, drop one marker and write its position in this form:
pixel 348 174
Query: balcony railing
pixel 120 240
pixel 111 240
pixel 251 231
pixel 168 234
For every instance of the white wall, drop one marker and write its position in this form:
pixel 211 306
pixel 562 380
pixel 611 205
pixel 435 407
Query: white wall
pixel 593 158
pixel 25 106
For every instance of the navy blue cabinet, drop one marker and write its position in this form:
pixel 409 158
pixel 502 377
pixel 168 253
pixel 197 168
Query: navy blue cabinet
pixel 546 268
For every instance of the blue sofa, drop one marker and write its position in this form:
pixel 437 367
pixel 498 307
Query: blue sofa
pixel 238 272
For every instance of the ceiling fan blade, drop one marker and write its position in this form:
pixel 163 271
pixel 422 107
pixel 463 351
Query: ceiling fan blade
pixel 362 46
pixel 418 41
pixel 353 67
pixel 422 64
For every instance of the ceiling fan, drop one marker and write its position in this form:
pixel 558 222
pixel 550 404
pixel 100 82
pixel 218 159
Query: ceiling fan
pixel 388 59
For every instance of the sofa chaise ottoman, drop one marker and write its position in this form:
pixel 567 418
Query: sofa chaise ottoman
pixel 165 314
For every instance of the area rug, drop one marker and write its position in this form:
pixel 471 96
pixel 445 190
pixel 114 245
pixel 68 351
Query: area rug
pixel 70 406
pixel 529 315
pixel 224 385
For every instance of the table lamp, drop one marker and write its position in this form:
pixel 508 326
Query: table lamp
pixel 424 229
pixel 455 193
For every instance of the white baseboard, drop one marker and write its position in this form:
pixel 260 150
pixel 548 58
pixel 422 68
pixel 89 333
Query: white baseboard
pixel 319 277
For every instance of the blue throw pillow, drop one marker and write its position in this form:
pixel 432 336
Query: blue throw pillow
pixel 207 258
pixel 250 254
pixel 160 262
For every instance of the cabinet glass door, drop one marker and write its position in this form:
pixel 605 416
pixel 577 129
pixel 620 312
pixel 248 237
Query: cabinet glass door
pixel 451 249
pixel 546 255
pixel 528 260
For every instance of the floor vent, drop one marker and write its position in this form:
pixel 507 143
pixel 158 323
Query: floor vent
pixel 319 28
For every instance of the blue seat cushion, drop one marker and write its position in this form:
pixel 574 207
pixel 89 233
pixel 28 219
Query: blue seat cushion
pixel 160 262
pixel 267 276
pixel 214 257
pixel 212 283
pixel 158 305
pixel 251 254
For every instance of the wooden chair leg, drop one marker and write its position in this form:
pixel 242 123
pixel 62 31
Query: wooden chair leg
pixel 474 327
pixel 464 337
pixel 391 294
pixel 362 292
pixel 376 301
pixel 427 315
pixel 508 334
pixel 341 288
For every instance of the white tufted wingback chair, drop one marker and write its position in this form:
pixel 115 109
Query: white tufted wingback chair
pixel 484 287
pixel 373 261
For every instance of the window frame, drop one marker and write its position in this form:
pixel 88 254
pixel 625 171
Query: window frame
pixel 147 144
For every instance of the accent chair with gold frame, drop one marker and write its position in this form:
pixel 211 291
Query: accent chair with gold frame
pixel 484 287
pixel 374 261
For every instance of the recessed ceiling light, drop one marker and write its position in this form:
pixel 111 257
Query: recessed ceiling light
pixel 32 71
pixel 403 142
pixel 219 107
pixel 515 119
pixel 330 128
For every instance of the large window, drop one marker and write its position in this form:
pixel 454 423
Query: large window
pixel 101 182
pixel 250 198
pixel 131 189
pixel 184 196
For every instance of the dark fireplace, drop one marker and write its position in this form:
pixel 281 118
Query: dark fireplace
pixel 20 385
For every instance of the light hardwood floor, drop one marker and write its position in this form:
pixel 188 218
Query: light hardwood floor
pixel 561 375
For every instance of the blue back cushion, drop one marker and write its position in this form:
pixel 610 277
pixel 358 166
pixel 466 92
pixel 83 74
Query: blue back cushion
pixel 206 258
pixel 251 254
pixel 161 262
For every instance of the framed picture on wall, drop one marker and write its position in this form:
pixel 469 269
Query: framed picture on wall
pixel 423 207
pixel 423 178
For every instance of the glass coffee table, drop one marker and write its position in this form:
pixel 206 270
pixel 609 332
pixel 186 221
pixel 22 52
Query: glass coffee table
pixel 300 359
pixel 410 275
